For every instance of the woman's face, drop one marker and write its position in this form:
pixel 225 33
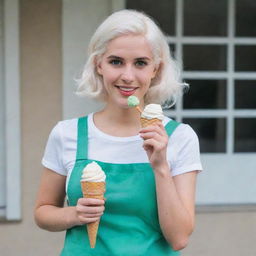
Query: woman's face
pixel 127 68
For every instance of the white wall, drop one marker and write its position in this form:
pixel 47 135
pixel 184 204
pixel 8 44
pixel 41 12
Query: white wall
pixel 2 111
pixel 227 179
pixel 80 19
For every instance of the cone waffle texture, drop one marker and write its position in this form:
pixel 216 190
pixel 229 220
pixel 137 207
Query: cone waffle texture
pixel 93 190
pixel 146 122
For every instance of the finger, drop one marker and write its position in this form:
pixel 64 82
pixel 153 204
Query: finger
pixel 93 215
pixel 90 220
pixel 90 209
pixel 95 209
pixel 157 135
pixel 150 144
pixel 162 128
pixel 151 135
pixel 91 201
pixel 85 220
pixel 155 145
pixel 159 128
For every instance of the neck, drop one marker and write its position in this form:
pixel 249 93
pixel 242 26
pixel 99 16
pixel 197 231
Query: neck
pixel 119 122
pixel 122 115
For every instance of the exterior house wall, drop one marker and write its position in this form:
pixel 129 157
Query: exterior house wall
pixel 40 65
pixel 216 233
pixel 223 233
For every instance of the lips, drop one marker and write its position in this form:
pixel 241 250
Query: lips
pixel 126 91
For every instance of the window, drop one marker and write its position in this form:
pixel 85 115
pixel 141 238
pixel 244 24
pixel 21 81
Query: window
pixel 216 41
pixel 9 112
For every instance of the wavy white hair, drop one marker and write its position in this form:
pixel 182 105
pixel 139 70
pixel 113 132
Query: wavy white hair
pixel 165 87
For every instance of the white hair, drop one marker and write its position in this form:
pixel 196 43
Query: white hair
pixel 166 86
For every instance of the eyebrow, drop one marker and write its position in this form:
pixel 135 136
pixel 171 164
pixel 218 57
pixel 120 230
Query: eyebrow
pixel 120 58
pixel 114 57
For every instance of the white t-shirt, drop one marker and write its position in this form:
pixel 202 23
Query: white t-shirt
pixel 60 152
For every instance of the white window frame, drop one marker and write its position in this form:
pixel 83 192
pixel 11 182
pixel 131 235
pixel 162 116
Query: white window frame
pixel 230 75
pixel 230 113
pixel 11 74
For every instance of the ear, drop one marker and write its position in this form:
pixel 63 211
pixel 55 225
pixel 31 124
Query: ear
pixel 98 66
pixel 155 71
pixel 99 70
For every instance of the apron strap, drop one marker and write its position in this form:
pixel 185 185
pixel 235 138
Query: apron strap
pixel 82 141
pixel 171 126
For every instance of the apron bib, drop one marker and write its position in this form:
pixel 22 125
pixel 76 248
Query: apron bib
pixel 129 225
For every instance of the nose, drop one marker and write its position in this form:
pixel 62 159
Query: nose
pixel 127 75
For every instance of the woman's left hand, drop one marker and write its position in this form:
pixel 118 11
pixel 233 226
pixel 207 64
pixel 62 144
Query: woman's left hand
pixel 155 144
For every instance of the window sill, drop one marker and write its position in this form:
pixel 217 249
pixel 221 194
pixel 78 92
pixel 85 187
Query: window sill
pixel 222 208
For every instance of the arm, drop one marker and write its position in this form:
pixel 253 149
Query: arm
pixel 175 195
pixel 50 213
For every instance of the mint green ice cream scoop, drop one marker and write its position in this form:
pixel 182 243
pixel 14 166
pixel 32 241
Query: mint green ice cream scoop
pixel 133 101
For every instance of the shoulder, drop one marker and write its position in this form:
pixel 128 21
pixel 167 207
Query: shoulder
pixel 182 132
pixel 66 128
pixel 185 132
pixel 67 124
pixel 62 131
pixel 183 150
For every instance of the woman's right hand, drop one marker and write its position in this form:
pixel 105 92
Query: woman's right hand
pixel 89 210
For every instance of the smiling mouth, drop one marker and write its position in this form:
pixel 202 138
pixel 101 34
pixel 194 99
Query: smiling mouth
pixel 126 91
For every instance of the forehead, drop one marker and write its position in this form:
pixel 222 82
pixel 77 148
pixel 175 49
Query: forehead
pixel 129 45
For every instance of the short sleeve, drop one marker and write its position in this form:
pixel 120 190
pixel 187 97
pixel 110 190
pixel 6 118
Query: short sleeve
pixel 187 151
pixel 53 155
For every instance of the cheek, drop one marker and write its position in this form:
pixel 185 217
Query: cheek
pixel 109 77
pixel 108 74
pixel 146 79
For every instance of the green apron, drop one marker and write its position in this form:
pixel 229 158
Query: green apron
pixel 129 225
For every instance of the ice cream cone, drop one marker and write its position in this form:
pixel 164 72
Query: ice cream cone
pixel 93 190
pixel 151 115
pixel 146 122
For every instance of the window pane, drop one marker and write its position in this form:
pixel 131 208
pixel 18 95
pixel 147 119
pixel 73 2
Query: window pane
pixel 245 94
pixel 204 57
pixel 205 94
pixel 211 133
pixel 245 139
pixel 246 18
pixel 205 18
pixel 172 49
pixel 245 58
pixel 163 12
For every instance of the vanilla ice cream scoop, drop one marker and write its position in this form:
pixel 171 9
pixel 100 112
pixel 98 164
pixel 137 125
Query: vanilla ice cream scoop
pixel 152 111
pixel 93 173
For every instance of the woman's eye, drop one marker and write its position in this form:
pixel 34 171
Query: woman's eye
pixel 141 63
pixel 115 62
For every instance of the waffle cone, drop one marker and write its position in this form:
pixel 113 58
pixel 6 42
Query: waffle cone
pixel 93 190
pixel 146 122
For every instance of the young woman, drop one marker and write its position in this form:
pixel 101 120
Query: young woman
pixel 151 172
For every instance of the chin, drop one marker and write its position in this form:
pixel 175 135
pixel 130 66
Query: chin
pixel 123 105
